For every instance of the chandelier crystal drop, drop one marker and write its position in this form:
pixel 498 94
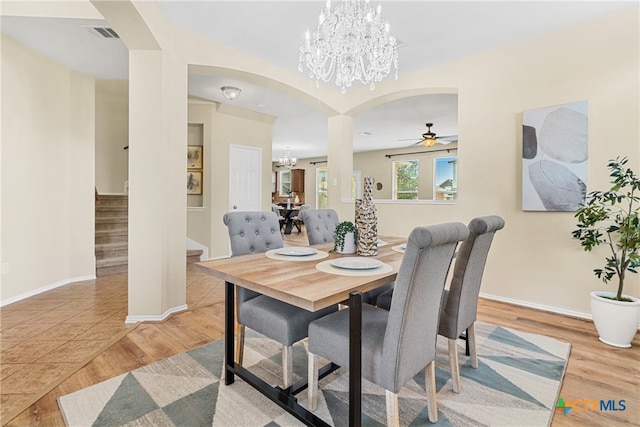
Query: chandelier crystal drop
pixel 352 41
pixel 287 160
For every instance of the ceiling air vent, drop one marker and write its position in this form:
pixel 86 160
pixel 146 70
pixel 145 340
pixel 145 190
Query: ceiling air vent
pixel 103 32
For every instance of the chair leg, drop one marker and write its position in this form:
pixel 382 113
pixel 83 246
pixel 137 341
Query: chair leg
pixel 430 388
pixel 239 343
pixel 453 365
pixel 312 386
pixel 393 417
pixel 287 365
pixel 471 339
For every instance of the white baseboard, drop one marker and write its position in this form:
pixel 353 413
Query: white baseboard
pixel 45 289
pixel 551 309
pixel 156 318
pixel 542 307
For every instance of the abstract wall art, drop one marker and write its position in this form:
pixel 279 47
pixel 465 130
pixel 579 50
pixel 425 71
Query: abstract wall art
pixel 554 157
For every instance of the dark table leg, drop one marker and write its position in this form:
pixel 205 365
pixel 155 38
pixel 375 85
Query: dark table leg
pixel 229 331
pixel 355 361
pixel 288 225
pixel 284 398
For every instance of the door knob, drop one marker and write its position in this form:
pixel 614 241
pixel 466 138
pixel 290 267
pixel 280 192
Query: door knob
pixel 235 207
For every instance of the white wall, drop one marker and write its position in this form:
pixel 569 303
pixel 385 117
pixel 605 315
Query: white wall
pixel 47 173
pixel 112 135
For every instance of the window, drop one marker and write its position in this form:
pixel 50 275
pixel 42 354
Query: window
pixel 356 185
pixel 285 182
pixel 445 180
pixel 322 187
pixel 405 180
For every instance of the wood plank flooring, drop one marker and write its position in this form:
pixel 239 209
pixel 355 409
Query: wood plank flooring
pixel 595 371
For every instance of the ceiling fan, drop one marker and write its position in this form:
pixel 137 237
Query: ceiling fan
pixel 429 138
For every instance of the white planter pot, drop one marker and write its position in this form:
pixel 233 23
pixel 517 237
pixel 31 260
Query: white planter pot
pixel 349 245
pixel 616 321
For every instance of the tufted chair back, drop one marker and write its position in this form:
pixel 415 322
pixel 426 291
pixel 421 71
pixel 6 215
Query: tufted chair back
pixel 252 232
pixel 320 224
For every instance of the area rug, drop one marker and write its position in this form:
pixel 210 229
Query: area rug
pixel 516 384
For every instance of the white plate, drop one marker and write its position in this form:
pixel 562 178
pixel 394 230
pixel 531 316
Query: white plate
pixel 356 263
pixel 296 251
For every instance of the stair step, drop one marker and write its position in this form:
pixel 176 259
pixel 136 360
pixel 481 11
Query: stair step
pixel 193 255
pixel 115 211
pixel 114 269
pixel 111 236
pixel 112 223
pixel 112 250
pixel 114 261
pixel 112 200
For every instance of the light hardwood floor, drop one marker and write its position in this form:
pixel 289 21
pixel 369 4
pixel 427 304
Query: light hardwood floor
pixel 595 371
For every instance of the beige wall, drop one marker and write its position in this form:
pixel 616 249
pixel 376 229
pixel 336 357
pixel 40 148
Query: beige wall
pixel 47 173
pixel 112 135
pixel 534 259
pixel 380 167
pixel 222 126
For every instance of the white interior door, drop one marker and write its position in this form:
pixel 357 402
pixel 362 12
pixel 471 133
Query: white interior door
pixel 245 178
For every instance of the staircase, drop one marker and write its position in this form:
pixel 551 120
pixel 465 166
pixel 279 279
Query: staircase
pixel 111 239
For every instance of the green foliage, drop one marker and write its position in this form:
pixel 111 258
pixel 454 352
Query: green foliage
pixel 341 230
pixel 407 179
pixel 611 218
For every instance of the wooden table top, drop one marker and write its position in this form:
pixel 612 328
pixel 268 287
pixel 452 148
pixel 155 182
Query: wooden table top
pixel 299 282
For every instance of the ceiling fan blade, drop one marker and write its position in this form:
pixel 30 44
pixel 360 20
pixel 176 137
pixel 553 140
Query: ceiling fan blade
pixel 448 138
pixel 407 139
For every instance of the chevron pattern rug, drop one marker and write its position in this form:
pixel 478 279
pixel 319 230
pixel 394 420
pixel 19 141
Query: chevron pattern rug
pixel 516 384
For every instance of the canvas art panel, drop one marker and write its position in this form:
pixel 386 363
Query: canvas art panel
pixel 554 157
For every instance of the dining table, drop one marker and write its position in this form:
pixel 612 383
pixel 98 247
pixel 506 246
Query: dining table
pixel 288 213
pixel 312 279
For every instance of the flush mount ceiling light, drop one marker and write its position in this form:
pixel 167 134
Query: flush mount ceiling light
pixel 287 160
pixel 230 92
pixel 352 41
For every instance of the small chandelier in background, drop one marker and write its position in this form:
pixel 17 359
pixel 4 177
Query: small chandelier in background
pixel 353 42
pixel 287 160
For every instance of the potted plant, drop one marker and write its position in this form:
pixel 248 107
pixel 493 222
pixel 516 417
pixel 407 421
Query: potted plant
pixel 610 218
pixel 344 238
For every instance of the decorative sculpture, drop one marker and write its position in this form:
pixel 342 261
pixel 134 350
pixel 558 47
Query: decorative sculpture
pixel 367 221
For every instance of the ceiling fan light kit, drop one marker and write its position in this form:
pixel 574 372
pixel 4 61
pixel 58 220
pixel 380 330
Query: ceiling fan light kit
pixel 352 41
pixel 429 138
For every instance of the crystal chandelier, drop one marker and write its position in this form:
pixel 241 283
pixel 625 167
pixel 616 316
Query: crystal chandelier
pixel 353 41
pixel 287 160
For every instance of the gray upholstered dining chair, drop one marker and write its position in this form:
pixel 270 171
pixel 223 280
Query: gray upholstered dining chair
pixel 281 219
pixel 255 232
pixel 459 309
pixel 297 220
pixel 399 343
pixel 321 225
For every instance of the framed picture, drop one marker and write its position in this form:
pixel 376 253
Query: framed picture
pixel 194 157
pixel 194 182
